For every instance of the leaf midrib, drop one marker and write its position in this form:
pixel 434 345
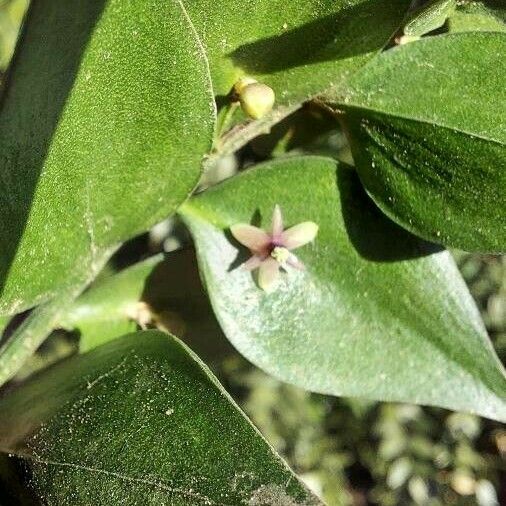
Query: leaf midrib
pixel 158 484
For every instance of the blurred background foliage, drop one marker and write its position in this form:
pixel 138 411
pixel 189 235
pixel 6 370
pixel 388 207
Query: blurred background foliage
pixel 350 451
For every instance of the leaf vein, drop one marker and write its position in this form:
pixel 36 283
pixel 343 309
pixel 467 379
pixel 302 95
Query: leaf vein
pixel 143 481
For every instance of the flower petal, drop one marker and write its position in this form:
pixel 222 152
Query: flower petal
pixel 277 221
pixel 268 275
pixel 294 262
pixel 252 237
pixel 253 263
pixel 298 235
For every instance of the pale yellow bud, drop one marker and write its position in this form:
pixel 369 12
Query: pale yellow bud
pixel 256 99
pixel 242 83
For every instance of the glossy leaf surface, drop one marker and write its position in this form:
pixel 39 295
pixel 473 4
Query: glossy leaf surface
pixel 378 313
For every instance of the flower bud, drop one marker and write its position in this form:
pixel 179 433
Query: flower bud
pixel 256 99
pixel 242 83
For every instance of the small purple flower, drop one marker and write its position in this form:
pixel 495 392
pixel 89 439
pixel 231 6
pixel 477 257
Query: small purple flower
pixel 272 251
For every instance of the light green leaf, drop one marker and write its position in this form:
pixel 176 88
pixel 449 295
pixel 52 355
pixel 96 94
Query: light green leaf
pixel 429 17
pixel 4 321
pixel 427 128
pixel 165 291
pixel 104 120
pixel 374 315
pixel 95 333
pixel 141 420
pixel 483 16
pixel 32 332
pixel 110 306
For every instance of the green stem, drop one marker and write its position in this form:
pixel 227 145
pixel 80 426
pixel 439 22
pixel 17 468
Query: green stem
pixel 225 120
pixel 237 138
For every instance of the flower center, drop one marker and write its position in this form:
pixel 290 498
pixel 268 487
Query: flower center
pixel 280 254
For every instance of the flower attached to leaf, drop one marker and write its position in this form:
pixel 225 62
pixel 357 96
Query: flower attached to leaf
pixel 272 250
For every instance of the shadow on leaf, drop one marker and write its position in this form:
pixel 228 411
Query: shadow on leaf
pixel 38 84
pixel 333 37
pixel 375 236
pixel 174 292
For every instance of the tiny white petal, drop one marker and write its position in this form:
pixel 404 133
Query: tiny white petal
pixel 277 221
pixel 268 275
pixel 298 235
pixel 252 237
pixel 293 261
pixel 252 263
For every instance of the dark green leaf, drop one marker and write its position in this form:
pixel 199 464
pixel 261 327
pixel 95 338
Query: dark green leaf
pixel 105 117
pixel 12 490
pixel 301 49
pixel 374 315
pixel 141 420
pixel 298 48
pixel 427 127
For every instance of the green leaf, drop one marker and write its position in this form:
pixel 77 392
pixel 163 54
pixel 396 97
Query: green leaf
pixel 141 420
pixel 426 122
pixel 12 491
pixel 165 291
pixel 474 16
pixel 375 314
pixel 32 332
pixel 104 120
pixel 4 321
pixel 429 17
pixel 110 306
pixel 300 49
